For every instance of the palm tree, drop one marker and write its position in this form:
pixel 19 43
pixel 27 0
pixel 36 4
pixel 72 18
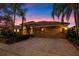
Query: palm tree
pixel 13 9
pixel 58 9
pixel 6 12
pixel 66 10
pixel 22 14
pixel 8 20
pixel 14 12
pixel 18 10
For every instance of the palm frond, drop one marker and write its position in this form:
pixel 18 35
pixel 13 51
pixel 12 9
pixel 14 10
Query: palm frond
pixel 68 13
pixel 58 9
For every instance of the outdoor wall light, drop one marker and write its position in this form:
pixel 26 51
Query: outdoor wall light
pixel 65 28
pixel 24 31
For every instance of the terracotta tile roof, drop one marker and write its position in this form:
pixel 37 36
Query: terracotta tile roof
pixel 47 23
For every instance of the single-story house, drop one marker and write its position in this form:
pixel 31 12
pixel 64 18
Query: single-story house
pixel 48 29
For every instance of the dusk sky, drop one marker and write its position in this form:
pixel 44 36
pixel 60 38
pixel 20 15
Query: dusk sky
pixel 40 12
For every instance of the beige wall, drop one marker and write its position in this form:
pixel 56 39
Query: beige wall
pixel 49 32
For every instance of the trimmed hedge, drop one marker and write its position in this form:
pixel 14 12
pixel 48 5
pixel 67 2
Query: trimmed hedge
pixel 13 37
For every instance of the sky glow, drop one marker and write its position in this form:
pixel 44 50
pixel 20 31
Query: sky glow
pixel 40 12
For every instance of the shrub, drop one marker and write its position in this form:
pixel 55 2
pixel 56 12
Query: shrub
pixel 72 36
pixel 13 37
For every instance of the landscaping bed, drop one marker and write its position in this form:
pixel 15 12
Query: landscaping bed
pixel 73 37
pixel 13 37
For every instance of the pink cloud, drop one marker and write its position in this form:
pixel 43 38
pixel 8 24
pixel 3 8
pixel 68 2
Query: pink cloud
pixel 37 18
pixel 18 20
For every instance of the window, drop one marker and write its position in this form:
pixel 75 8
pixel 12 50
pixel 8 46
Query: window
pixel 17 30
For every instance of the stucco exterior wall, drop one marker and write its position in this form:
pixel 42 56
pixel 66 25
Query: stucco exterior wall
pixel 49 32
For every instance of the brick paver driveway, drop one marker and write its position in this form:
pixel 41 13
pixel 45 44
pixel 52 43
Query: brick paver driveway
pixel 42 46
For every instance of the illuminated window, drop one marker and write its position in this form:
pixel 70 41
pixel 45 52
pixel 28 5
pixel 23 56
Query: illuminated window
pixel 31 31
pixel 17 30
pixel 14 30
pixel 24 27
pixel 42 29
pixel 60 29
